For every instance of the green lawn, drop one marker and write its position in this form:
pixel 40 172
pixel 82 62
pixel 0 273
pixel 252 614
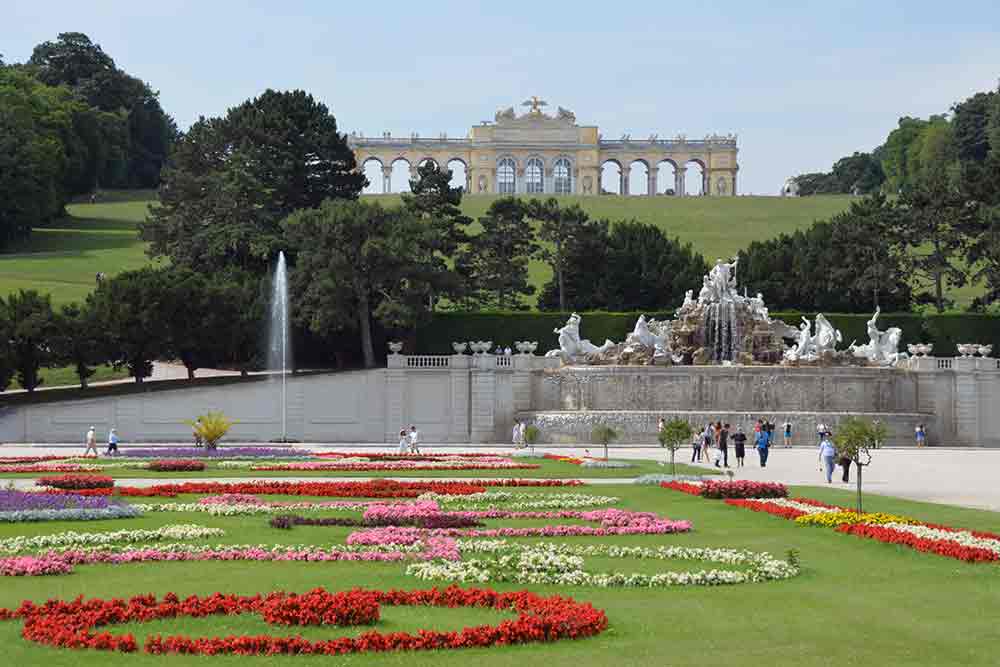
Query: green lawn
pixel 857 602
pixel 548 470
pixel 66 376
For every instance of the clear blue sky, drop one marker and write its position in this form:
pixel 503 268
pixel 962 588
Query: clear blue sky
pixel 802 83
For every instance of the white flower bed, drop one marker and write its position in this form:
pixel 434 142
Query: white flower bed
pixel 21 543
pixel 562 564
pixel 963 537
pixel 239 509
pixel 795 505
pixel 599 463
pixel 516 502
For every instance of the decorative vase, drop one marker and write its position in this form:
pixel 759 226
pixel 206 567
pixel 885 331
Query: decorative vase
pixel 395 346
pixel 459 347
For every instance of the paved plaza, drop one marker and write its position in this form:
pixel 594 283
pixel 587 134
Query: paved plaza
pixel 964 477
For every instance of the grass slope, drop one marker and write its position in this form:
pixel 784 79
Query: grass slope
pixel 857 602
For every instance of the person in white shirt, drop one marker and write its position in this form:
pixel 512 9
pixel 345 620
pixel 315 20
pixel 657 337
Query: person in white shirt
pixel 91 442
pixel 414 440
pixel 404 442
pixel 517 434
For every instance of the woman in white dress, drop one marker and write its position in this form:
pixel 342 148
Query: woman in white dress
pixel 404 442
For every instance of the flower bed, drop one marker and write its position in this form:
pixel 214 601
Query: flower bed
pixel 48 467
pixel 729 489
pixel 220 453
pixel 16 501
pixel 106 491
pixel 837 518
pixel 519 501
pixel 72 539
pixel 562 564
pixel 383 488
pixel 76 482
pixel 175 465
pixel 71 624
pixel 62 562
pixel 370 466
pixel 115 511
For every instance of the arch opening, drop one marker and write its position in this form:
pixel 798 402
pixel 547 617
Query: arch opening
pixel 666 178
pixel 694 178
pixel 399 179
pixel 638 178
pixel 534 176
pixel 372 169
pixel 459 174
pixel 506 180
pixel 562 177
pixel 611 177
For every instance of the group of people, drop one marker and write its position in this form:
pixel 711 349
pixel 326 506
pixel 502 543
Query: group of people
pixel 517 434
pixel 711 444
pixel 409 441
pixel 90 442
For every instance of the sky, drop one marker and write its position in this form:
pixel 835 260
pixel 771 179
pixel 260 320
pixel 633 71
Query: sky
pixel 802 83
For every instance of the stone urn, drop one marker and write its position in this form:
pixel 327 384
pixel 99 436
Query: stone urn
pixel 925 348
pixel 522 346
pixel 532 346
pixel 395 346
pixel 966 349
pixel 985 350
pixel 913 349
pixel 459 347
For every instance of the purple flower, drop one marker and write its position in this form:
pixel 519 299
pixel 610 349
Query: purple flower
pixel 15 501
pixel 222 452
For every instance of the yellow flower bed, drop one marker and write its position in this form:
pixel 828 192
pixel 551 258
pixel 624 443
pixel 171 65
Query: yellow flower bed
pixel 832 519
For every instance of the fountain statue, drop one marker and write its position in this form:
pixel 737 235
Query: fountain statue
pixel 809 347
pixel 573 349
pixel 883 346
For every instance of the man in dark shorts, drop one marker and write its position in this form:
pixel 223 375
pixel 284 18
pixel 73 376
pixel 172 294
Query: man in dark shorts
pixel 724 445
pixel 739 444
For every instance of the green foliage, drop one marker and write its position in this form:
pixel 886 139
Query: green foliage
pixel 948 329
pixel 531 434
pixel 32 326
pixel 855 439
pixel 494 263
pixel 674 434
pixel 356 262
pixel 860 173
pixel 79 341
pixel 561 230
pixel 210 428
pixel 850 263
pixel 130 311
pixel 971 125
pixel 233 179
pixel 603 434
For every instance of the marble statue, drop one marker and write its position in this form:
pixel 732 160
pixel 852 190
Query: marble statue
pixel 811 347
pixel 721 281
pixel 882 347
pixel 651 334
pixel 759 309
pixel 505 114
pixel 570 343
pixel 566 114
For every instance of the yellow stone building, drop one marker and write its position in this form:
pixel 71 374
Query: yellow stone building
pixel 550 153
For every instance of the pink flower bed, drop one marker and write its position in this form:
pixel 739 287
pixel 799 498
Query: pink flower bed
pixel 49 467
pixel 612 522
pixel 62 563
pixel 394 465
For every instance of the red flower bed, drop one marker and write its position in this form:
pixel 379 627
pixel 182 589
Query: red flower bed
pixel 106 491
pixel 4 460
pixel 683 487
pixel 383 488
pixel 986 535
pixel 76 482
pixel 563 459
pixel 393 456
pixel 176 465
pixel 764 506
pixel 947 548
pixel 71 624
pixel 743 489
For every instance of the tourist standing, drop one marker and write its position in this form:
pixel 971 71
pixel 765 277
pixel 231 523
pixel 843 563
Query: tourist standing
pixel 707 437
pixel 112 442
pixel 845 463
pixel 787 433
pixel 696 441
pixel 414 440
pixel 404 442
pixel 821 431
pixel 90 440
pixel 724 445
pixel 660 425
pixel 921 435
pixel 739 445
pixel 763 443
pixel 827 452
pixel 515 435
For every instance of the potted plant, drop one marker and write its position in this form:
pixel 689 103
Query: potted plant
pixel 210 428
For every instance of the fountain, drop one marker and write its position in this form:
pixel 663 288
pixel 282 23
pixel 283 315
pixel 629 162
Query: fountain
pixel 279 348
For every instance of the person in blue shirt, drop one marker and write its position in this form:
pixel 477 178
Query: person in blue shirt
pixel 112 442
pixel 763 444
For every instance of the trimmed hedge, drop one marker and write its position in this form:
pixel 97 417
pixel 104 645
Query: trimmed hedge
pixel 505 328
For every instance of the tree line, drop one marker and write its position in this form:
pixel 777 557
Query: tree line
pixel 71 123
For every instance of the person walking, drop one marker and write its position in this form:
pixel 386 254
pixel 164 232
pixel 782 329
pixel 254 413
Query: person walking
pixel 763 445
pixel 707 437
pixel 739 446
pixel 414 440
pixel 660 425
pixel 696 441
pixel 724 445
pixel 404 442
pixel 90 440
pixel 845 463
pixel 827 453
pixel 821 431
pixel 112 442
pixel 921 435
pixel 515 434
pixel 787 433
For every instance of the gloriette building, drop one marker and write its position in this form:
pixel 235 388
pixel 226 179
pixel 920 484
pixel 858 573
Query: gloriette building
pixel 540 153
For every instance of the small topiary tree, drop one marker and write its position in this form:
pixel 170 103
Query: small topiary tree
pixel 531 436
pixel 603 434
pixel 674 433
pixel 855 439
pixel 210 428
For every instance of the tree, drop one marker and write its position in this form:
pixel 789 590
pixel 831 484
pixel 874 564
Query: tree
pixel 581 251
pixel 855 440
pixel 356 262
pixel 79 341
pixel 7 361
pixel 234 179
pixel 859 173
pixel 645 269
pixel 128 308
pixel 673 435
pixel 559 228
pixel 495 261
pixel 32 328
pixel 935 223
pixel 898 153
pixel 603 434
pixel 191 307
pixel 971 123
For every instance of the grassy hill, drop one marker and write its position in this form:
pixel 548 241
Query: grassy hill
pixel 64 259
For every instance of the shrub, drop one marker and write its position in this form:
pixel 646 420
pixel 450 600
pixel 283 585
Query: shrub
pixel 76 482
pixel 175 466
pixel 210 428
pixel 743 489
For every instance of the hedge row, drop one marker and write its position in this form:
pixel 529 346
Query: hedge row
pixel 944 331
